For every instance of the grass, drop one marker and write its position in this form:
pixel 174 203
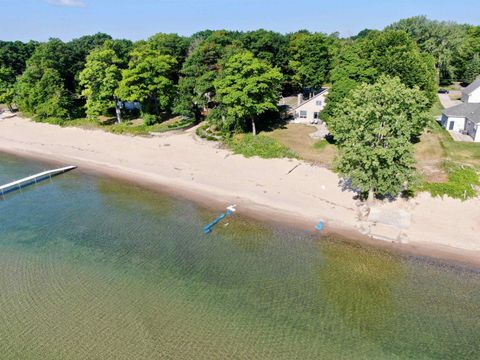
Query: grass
pixel 260 145
pixel 297 138
pixel 462 182
pixel 128 127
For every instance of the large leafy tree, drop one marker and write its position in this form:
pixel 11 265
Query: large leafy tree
pixel 309 59
pixel 43 88
pixel 373 128
pixel 148 80
pixel 394 53
pixel 472 70
pixel 169 44
pixel 14 54
pixel 443 40
pixel 195 89
pixel 269 46
pixel 391 53
pixel 7 82
pixel 42 92
pixel 247 88
pixel 99 79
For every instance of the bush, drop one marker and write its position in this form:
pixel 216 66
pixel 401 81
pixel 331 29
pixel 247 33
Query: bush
pixel 462 183
pixel 149 119
pixel 260 145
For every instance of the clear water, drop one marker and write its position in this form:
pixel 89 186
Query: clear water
pixel 92 268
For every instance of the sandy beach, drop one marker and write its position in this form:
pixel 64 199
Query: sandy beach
pixel 283 190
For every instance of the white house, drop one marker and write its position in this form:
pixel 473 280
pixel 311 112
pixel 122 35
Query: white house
pixel 308 110
pixel 465 118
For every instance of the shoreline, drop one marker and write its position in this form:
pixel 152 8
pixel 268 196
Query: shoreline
pixel 275 209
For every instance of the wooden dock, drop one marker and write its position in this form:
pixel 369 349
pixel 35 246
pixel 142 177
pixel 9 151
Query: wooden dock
pixel 34 179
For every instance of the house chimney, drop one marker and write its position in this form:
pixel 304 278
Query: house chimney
pixel 299 99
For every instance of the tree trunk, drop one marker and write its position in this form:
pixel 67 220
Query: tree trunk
pixel 118 111
pixel 254 128
pixel 371 197
pixel 156 105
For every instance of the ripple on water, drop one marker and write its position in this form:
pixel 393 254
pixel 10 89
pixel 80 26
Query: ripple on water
pixel 107 270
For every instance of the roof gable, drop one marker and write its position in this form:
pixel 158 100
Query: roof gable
pixel 466 110
pixel 472 87
pixel 323 92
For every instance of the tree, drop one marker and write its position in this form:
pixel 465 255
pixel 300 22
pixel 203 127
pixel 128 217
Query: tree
pixel 7 82
pixel 473 69
pixel 391 53
pixel 267 45
pixel 43 93
pixel 148 80
pixel 79 50
pixel 309 59
pixel 373 128
pixel 248 87
pixel 443 40
pixel 43 88
pixel 195 89
pixel 100 79
pixel 14 54
pixel 394 53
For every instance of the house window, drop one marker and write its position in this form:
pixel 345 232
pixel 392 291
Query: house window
pixel 319 102
pixel 315 115
pixel 451 125
pixel 303 114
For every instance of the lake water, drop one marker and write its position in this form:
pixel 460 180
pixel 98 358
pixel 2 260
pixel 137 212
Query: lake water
pixel 92 268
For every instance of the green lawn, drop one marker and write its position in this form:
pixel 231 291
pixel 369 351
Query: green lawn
pixel 297 138
pixel 260 145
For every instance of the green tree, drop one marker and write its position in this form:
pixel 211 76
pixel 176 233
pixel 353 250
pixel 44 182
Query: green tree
pixel 7 82
pixel 169 44
pixel 43 93
pixel 43 89
pixel 269 46
pixel 394 53
pixel 148 80
pixel 14 55
pixel 443 40
pixel 248 87
pixel 99 79
pixel 391 53
pixel 373 128
pixel 195 89
pixel 79 50
pixel 472 70
pixel 309 59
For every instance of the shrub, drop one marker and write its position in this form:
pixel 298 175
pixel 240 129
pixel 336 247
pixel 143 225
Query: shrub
pixel 462 183
pixel 149 119
pixel 260 145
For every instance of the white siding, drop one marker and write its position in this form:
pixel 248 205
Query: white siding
pixel 312 106
pixel 458 124
pixel 477 137
pixel 474 97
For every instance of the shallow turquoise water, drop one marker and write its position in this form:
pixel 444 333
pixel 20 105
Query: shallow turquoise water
pixel 92 268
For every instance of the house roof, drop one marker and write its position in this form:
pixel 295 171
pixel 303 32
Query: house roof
pixel 472 87
pixel 465 110
pixel 323 91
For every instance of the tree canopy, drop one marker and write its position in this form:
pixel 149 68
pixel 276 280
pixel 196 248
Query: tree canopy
pixel 99 80
pixel 247 87
pixel 373 128
pixel 148 80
